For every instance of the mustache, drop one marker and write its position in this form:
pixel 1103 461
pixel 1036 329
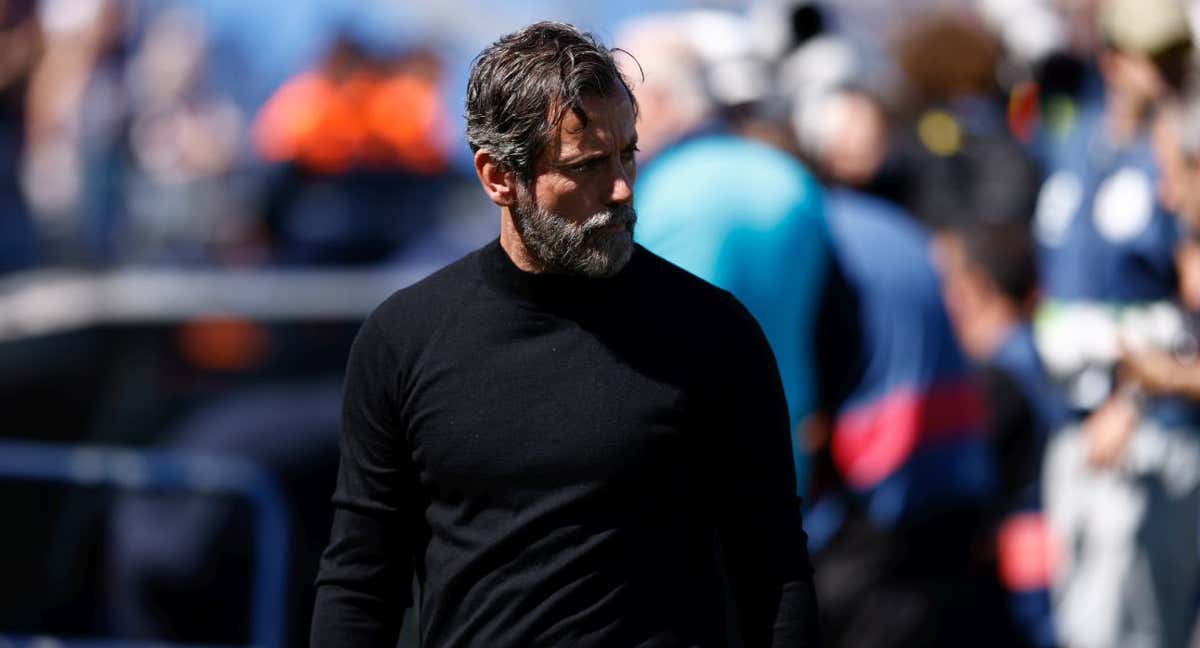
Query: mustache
pixel 625 215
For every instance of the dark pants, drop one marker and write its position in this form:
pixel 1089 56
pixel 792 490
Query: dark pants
pixel 926 584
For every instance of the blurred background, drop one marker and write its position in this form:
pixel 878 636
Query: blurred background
pixel 981 279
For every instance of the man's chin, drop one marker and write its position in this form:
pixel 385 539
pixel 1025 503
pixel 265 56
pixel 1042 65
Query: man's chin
pixel 610 253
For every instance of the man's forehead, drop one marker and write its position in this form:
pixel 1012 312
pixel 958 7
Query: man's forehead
pixel 606 117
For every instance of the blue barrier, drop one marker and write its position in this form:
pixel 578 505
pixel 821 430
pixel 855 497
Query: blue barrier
pixel 168 471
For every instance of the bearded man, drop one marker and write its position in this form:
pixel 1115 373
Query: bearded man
pixel 566 439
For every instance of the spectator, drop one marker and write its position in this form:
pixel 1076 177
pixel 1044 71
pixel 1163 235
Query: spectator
pixel 1143 486
pixel 955 124
pixel 1103 237
pixel 990 287
pixel 753 224
pixel 1120 488
pixel 363 143
pixel 904 474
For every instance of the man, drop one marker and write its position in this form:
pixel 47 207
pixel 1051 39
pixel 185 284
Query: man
pixel 1125 495
pixel 1125 571
pixel 1103 236
pixel 989 283
pixel 741 214
pixel 903 475
pixel 565 438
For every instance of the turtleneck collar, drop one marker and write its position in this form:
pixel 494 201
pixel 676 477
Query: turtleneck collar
pixel 501 273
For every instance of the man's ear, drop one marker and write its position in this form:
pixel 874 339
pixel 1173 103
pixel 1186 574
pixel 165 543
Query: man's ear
pixel 499 182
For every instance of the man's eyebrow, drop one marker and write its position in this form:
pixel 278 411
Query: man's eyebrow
pixel 596 155
pixel 587 157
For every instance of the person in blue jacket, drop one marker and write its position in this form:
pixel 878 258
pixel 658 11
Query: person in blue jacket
pixel 747 218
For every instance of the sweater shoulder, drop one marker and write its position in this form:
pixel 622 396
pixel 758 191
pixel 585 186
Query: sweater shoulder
pixel 412 314
pixel 689 293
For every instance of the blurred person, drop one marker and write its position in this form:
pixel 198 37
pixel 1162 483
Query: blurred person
pixel 673 100
pixel 904 477
pixel 1175 153
pixel 1108 244
pixel 1122 488
pixel 708 78
pixel 846 133
pixel 20 48
pixel 1103 235
pixel 78 110
pixel 363 146
pixel 753 219
pixel 954 121
pixel 134 149
pixel 356 110
pixel 545 433
pixel 180 203
pixel 853 158
pixel 989 282
pixel 990 288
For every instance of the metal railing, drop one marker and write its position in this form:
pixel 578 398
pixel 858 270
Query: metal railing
pixel 174 472
pixel 44 302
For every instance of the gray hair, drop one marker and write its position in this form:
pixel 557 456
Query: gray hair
pixel 522 85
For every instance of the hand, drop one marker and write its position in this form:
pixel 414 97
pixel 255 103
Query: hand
pixel 1109 429
pixel 1154 370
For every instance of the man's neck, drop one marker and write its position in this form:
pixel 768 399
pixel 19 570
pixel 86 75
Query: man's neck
pixel 989 328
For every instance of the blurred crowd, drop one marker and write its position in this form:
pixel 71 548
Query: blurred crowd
pixel 969 229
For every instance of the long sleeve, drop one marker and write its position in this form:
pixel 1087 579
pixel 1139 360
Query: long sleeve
pixel 363 585
pixel 762 539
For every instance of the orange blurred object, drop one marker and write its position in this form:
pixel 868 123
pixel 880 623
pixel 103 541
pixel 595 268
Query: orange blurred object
pixel 368 118
pixel 1023 110
pixel 222 343
pixel 1026 552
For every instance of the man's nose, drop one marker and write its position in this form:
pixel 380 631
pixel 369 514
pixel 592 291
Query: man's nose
pixel 622 187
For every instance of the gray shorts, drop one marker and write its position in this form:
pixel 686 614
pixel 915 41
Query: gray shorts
pixel 1127 557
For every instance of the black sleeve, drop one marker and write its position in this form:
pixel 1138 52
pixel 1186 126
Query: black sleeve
pixel 363 585
pixel 765 549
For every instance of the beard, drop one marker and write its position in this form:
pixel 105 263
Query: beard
pixel 561 246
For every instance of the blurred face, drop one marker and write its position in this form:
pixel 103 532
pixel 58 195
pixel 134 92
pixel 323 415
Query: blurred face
pixel 971 298
pixel 1178 190
pixel 1132 77
pixel 854 155
pixel 1172 181
pixel 1187 254
pixel 1189 204
pixel 577 214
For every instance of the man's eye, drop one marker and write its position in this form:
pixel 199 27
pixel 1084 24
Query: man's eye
pixel 586 166
pixel 628 155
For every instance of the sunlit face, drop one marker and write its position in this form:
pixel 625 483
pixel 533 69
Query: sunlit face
pixel 1132 76
pixel 855 154
pixel 577 214
pixel 1164 140
pixel 1189 207
pixel 1177 188
pixel 965 291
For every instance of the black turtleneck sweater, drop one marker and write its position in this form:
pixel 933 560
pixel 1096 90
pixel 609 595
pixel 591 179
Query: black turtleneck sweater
pixel 564 461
